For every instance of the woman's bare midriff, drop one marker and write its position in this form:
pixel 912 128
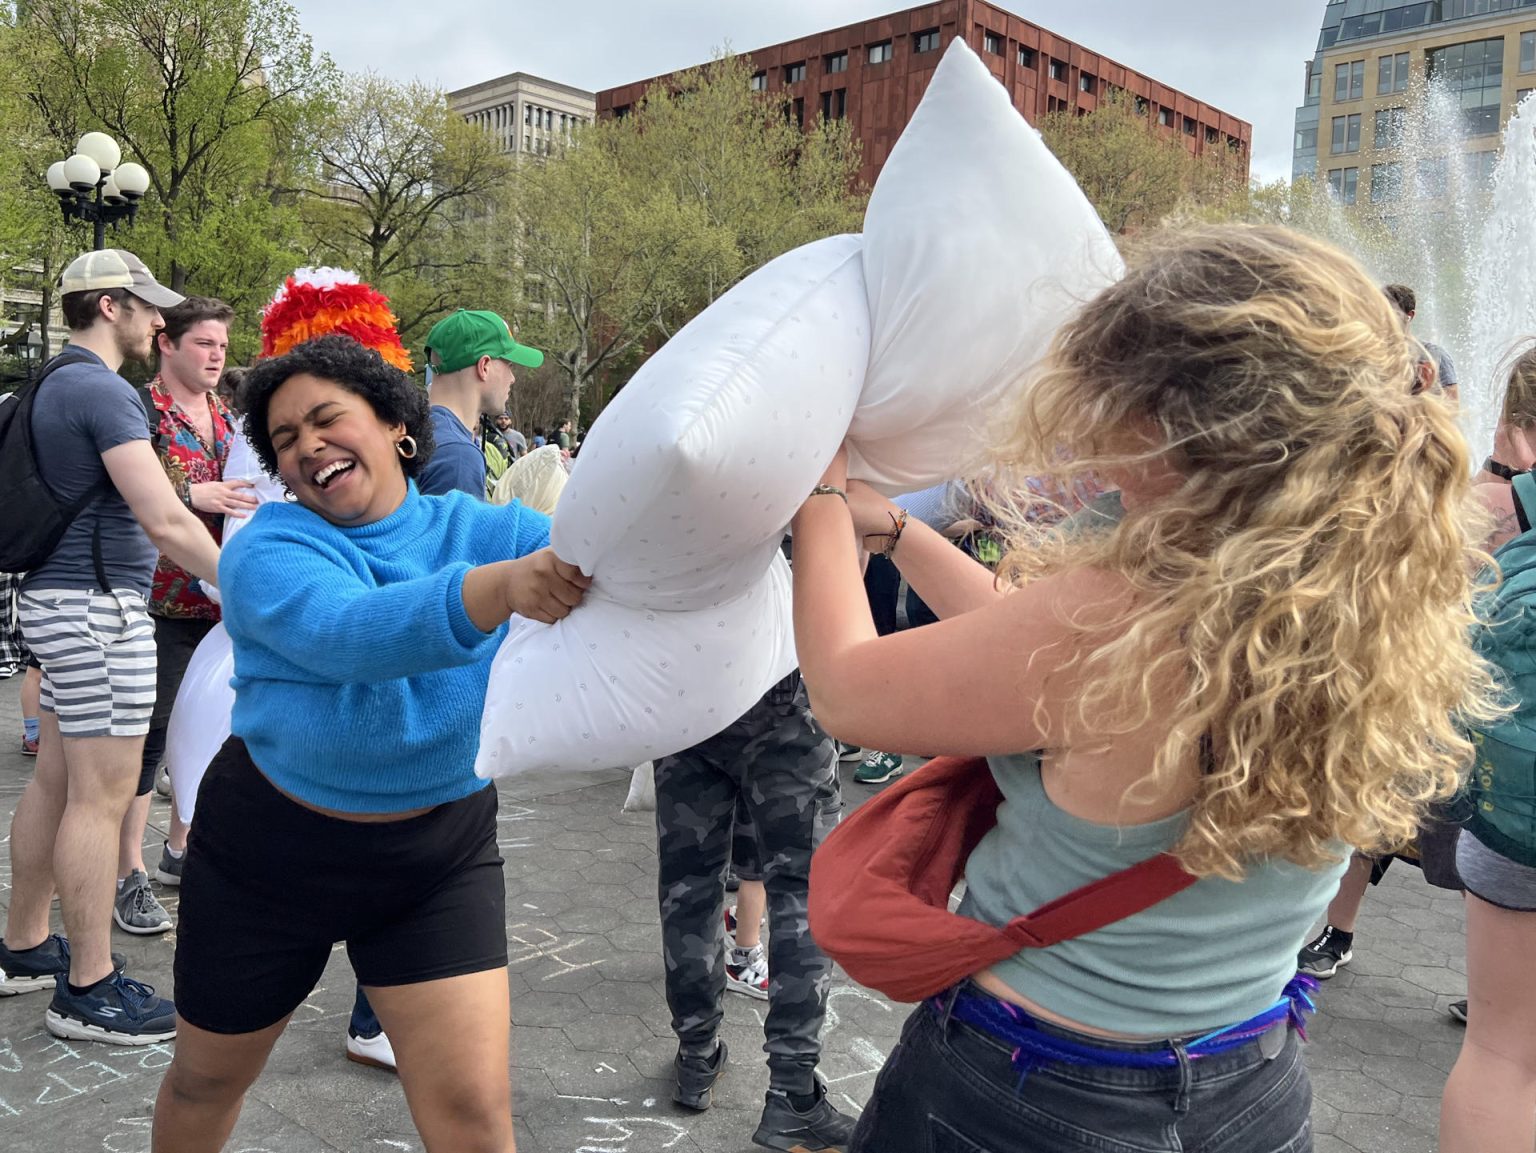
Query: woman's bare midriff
pixel 360 818
pixel 993 984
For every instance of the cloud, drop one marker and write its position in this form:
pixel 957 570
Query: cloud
pixel 1247 59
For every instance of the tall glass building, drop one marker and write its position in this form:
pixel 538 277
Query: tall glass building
pixel 1373 59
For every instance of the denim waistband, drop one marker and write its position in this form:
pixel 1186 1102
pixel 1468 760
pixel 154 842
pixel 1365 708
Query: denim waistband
pixel 1033 1045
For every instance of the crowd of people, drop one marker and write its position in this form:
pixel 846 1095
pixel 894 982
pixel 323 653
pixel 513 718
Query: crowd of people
pixel 1220 613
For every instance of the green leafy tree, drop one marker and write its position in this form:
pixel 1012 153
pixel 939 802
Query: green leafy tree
pixel 411 196
pixel 647 219
pixel 1135 174
pixel 210 96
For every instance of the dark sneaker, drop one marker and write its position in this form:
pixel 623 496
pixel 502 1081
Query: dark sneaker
pixel 168 871
pixel 696 1077
pixel 119 1011
pixel 847 752
pixel 1324 956
pixel 28 970
pixel 821 1127
pixel 136 910
pixel 876 768
pixel 1458 1011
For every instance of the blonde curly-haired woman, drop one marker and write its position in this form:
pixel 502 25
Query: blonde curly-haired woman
pixel 1259 661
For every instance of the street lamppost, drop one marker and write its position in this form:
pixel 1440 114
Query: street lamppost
pixel 95 166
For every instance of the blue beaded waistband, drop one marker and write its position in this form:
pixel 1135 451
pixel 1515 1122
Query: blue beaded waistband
pixel 1034 1046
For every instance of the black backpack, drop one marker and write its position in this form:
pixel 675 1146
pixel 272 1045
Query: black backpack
pixel 34 519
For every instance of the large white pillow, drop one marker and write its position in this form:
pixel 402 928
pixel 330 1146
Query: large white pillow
pixel 685 483
pixel 200 718
pixel 978 244
pixel 613 684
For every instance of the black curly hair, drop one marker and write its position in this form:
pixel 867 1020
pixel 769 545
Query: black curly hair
pixel 394 397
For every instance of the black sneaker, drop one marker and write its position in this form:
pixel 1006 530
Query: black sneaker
pixel 847 752
pixel 1323 957
pixel 1458 1011
pixel 696 1077
pixel 119 1011
pixel 168 871
pixel 821 1127
pixel 28 970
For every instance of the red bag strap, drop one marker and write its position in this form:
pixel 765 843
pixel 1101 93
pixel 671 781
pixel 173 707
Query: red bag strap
pixel 1105 901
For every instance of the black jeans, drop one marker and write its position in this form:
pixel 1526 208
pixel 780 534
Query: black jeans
pixel 950 1088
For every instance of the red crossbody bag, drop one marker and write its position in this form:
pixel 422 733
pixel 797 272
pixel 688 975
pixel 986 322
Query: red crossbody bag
pixel 880 887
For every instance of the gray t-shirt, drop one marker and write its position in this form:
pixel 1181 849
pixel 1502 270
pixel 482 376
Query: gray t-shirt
pixel 80 412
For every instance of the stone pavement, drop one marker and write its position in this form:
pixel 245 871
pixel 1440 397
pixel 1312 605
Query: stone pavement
pixel 591 1046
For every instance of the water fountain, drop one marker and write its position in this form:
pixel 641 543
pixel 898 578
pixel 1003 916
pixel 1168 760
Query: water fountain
pixel 1463 239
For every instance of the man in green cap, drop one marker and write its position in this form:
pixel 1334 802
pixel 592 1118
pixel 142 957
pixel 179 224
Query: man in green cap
pixel 471 355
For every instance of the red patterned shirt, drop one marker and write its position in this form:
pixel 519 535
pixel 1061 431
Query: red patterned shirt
pixel 187 460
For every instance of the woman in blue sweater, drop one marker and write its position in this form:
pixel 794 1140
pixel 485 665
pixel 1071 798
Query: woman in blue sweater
pixel 364 617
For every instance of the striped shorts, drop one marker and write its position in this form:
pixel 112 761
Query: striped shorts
pixel 98 656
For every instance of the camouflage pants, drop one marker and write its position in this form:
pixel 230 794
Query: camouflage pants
pixel 781 763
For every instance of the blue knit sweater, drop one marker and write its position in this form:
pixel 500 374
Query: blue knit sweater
pixel 359 678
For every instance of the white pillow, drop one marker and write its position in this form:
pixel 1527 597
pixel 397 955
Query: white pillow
pixel 685 483
pixel 200 718
pixel 978 244
pixel 612 684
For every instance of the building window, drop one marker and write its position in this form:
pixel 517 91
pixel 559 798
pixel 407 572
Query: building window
pixel 837 62
pixel 1087 83
pixel 759 82
pixel 1389 127
pixel 1345 184
pixel 1141 106
pixel 528 136
pixel 992 43
pixel 799 111
pixel 1349 81
pixel 1475 72
pixel 1026 58
pixel 1528 52
pixel 549 120
pixel 1522 94
pixel 1306 139
pixel 1433 178
pixel 1189 126
pixel 834 104
pixel 926 41
pixel 1165 117
pixel 1386 182
pixel 1392 74
pixel 527 114
pixel 1058 70
pixel 1346 134
pixel 794 73
pixel 880 53
pixel 621 111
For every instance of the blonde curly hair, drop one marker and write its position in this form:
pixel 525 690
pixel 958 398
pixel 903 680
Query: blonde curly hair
pixel 1303 599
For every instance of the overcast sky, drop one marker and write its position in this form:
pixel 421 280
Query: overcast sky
pixel 1244 56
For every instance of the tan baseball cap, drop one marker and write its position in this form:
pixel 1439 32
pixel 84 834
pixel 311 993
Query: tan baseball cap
pixel 116 268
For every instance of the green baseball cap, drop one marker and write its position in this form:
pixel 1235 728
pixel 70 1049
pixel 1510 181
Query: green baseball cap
pixel 463 337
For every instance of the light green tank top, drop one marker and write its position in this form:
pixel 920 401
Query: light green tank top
pixel 1215 954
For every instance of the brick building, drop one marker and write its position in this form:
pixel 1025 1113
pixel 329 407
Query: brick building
pixel 875 73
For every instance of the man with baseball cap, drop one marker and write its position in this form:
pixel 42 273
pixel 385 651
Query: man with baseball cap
pixel 84 616
pixel 471 355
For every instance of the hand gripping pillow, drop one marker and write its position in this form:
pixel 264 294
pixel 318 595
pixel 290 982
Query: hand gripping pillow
pixel 200 718
pixel 676 507
pixel 977 246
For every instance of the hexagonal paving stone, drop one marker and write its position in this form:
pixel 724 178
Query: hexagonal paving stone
pixel 607 1032
pixel 541 1007
pixel 1354 1092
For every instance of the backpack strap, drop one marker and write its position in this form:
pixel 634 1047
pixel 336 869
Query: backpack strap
pixel 1101 903
pixel 1523 490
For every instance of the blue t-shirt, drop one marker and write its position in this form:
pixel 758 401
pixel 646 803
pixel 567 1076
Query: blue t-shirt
pixel 359 678
pixel 81 411
pixel 456 463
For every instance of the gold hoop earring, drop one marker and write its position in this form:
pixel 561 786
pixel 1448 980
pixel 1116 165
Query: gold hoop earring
pixel 400 446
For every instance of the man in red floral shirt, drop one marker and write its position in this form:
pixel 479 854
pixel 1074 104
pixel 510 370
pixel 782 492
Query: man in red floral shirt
pixel 191 433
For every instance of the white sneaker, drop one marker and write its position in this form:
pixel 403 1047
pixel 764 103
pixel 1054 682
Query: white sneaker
pixel 375 1051
pixel 748 974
